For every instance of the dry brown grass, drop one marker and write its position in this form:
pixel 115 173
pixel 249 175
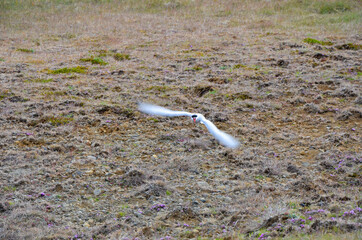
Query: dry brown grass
pixel 70 19
pixel 78 137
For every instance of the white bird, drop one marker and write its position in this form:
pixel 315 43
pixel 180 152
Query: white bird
pixel 224 138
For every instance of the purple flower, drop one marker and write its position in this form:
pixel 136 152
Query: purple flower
pixel 310 218
pixel 353 129
pixel 302 225
pixel 186 225
pixel 262 236
pixel 42 194
pixel 333 218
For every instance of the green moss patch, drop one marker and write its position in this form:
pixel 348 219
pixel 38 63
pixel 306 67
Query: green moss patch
pixel 40 80
pixel 94 60
pixel 25 50
pixel 315 41
pixel 121 56
pixel 78 69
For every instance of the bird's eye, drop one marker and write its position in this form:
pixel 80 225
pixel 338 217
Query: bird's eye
pixel 194 116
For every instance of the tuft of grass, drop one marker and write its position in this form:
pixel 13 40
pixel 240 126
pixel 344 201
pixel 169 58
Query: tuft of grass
pixel 121 214
pixel 328 7
pixel 237 66
pixel 349 46
pixel 315 41
pixel 121 56
pixel 2 60
pixel 153 119
pixel 197 68
pixel 25 50
pixel 60 120
pixel 40 80
pixel 94 60
pixel 238 96
pixel 9 189
pixel 78 69
pixel 54 93
pixel 5 93
pixel 102 53
pixel 159 88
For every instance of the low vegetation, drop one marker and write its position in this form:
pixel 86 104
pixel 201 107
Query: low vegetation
pixel 315 41
pixel 25 50
pixel 79 161
pixel 94 60
pixel 78 69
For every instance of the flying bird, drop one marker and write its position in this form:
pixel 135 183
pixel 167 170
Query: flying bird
pixel 224 138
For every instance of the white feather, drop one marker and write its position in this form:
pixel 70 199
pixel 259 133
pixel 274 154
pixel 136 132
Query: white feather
pixel 160 111
pixel 224 138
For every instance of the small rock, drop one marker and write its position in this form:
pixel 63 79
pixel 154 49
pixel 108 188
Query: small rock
pixel 92 158
pixel 292 169
pixel 320 56
pixel 282 63
pixel 97 192
pixel 202 184
pixel 311 108
pixel 358 100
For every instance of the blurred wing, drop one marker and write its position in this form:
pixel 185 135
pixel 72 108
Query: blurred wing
pixel 224 138
pixel 160 111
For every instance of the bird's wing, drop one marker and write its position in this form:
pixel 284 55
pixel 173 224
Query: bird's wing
pixel 224 138
pixel 160 111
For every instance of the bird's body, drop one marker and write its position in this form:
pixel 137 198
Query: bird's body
pixel 224 138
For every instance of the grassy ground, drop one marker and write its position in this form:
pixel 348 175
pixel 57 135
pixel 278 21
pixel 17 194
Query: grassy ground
pixel 78 161
pixel 306 16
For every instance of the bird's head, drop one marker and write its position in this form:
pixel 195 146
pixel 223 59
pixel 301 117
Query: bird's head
pixel 196 118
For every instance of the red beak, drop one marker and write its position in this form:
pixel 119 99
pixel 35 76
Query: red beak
pixel 194 120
